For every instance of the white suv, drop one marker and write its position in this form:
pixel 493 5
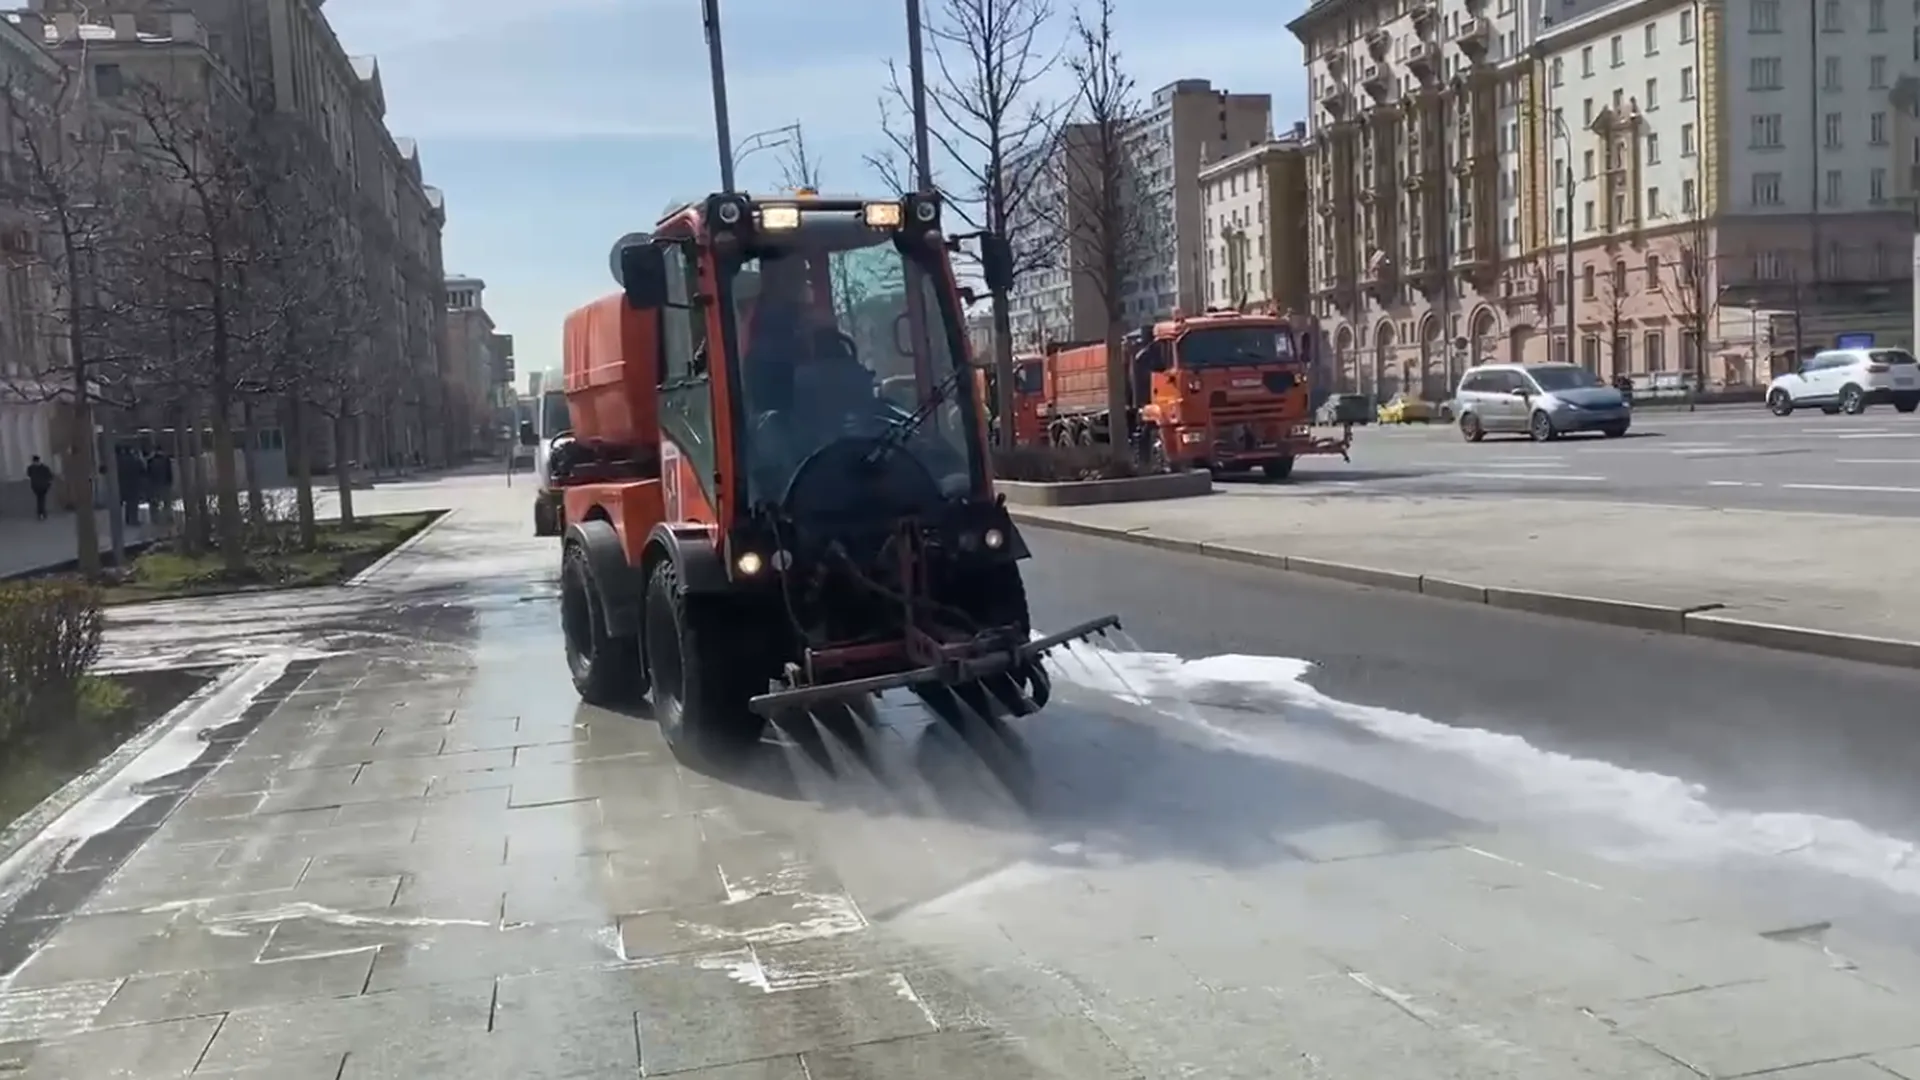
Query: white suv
pixel 1849 380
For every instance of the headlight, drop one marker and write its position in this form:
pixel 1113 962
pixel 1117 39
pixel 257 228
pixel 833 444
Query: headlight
pixel 994 539
pixel 749 564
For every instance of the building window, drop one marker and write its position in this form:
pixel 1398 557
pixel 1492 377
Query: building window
pixel 1653 271
pixel 1833 187
pixel 1559 71
pixel 1653 203
pixel 1652 99
pixel 1590 352
pixel 1619 209
pixel 1877 186
pixel 1763 73
pixel 1653 148
pixel 1655 347
pixel 1586 112
pixel 1686 83
pixel 1686 140
pixel 1559 223
pixel 1586 61
pixel 1832 137
pixel 1766 266
pixel 1587 218
pixel 1765 18
pixel 108 80
pixel 1622 352
pixel 1586 282
pixel 1877 16
pixel 1766 131
pixel 1877 73
pixel 1766 189
pixel 1830 16
pixel 1616 51
pixel 1877 129
pixel 1830 73
pixel 1653 38
pixel 1689 197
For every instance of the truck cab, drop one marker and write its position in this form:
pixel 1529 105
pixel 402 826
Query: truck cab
pixel 1226 391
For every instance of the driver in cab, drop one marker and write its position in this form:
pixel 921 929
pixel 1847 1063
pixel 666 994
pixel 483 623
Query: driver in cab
pixel 805 385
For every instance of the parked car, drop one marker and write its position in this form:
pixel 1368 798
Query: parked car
pixel 1544 401
pixel 1406 409
pixel 1345 409
pixel 1848 380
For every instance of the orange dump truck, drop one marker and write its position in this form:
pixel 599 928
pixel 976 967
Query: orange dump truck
pixel 1225 391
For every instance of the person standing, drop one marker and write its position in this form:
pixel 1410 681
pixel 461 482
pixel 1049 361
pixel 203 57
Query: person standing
pixel 132 482
pixel 159 487
pixel 40 482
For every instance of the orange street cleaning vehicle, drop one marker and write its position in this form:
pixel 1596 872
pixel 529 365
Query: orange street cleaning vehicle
pixel 788 508
pixel 1224 390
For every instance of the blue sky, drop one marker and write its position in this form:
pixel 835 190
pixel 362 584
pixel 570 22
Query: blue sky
pixel 556 127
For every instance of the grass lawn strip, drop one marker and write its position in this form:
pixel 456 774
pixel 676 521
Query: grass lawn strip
pixel 342 552
pixel 113 708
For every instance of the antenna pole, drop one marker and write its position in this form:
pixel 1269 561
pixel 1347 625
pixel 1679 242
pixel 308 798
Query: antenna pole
pixel 717 61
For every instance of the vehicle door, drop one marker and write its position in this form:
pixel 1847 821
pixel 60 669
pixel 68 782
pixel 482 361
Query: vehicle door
pixel 1469 398
pixel 1501 407
pixel 1818 380
pixel 689 456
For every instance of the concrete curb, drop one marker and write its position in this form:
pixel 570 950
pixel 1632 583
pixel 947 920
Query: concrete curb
pixel 367 575
pixel 1179 485
pixel 1701 620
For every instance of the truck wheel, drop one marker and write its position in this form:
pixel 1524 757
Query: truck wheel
pixel 701 684
pixel 606 670
pixel 543 522
pixel 1279 470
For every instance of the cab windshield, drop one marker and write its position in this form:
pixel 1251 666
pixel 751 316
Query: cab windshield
pixel 844 331
pixel 1028 377
pixel 553 414
pixel 1228 346
pixel 1554 377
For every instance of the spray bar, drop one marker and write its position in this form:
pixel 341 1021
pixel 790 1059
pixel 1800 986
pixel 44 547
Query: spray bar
pixel 959 671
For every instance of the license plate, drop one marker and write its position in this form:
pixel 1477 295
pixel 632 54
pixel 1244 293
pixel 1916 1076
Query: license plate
pixel 1246 384
pixel 1903 380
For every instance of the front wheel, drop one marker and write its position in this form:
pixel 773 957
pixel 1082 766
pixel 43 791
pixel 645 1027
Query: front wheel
pixel 1780 403
pixel 605 668
pixel 1614 431
pixel 1470 428
pixel 701 677
pixel 1853 401
pixel 1541 427
pixel 1278 470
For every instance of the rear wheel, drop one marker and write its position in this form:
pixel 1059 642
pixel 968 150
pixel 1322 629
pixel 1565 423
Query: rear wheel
pixel 1780 403
pixel 1278 470
pixel 702 677
pixel 1908 403
pixel 606 669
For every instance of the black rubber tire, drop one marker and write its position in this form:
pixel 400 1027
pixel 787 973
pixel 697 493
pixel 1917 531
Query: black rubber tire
pixel 1780 403
pixel 1470 428
pixel 1906 404
pixel 1278 470
pixel 1615 431
pixel 1540 427
pixel 1853 401
pixel 606 670
pixel 702 678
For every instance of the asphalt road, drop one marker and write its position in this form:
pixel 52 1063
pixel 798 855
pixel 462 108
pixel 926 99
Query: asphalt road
pixel 1773 738
pixel 1726 456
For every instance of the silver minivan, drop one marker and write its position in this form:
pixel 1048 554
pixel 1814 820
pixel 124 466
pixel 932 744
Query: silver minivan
pixel 1544 401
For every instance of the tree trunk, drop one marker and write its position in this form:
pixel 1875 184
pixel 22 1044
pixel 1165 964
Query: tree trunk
pixel 342 471
pixel 250 457
pixel 186 463
pixel 300 460
pixel 226 478
pixel 1003 386
pixel 85 482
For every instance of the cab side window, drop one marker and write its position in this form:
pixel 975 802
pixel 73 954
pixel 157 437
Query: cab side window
pixel 683 323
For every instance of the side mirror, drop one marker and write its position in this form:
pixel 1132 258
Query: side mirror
pixel 1522 391
pixel 527 435
pixel 643 275
pixel 996 262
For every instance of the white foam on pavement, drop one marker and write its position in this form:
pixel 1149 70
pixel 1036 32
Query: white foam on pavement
pixel 1674 814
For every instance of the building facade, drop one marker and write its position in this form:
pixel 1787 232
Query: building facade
pixel 472 360
pixel 1416 172
pixel 1255 227
pixel 29 413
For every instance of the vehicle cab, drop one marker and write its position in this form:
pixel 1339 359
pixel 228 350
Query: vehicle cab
pixel 1224 390
pixel 1848 380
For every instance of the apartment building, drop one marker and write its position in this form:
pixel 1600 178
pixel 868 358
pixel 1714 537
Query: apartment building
pixel 1255 227
pixel 473 348
pixel 1183 125
pixel 1416 152
pixel 29 420
pixel 1717 169
pixel 1054 299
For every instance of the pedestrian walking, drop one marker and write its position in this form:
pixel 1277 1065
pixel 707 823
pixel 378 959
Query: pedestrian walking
pixel 159 487
pixel 132 482
pixel 40 482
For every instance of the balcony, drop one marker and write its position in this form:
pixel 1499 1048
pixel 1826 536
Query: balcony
pixel 1337 63
pixel 1339 105
pixel 1374 80
pixel 1379 43
pixel 1424 14
pixel 1422 61
pixel 1474 35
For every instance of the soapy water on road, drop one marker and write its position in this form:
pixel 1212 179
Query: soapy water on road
pixel 1676 818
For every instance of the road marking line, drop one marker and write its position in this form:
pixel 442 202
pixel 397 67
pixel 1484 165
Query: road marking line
pixel 1524 476
pixel 1735 483
pixel 1881 435
pixel 1878 461
pixel 1871 489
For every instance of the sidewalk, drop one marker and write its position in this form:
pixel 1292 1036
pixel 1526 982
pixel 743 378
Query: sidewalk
pixel 28 546
pixel 1730 574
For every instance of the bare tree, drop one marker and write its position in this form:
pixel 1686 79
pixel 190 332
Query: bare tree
pixel 64 234
pixel 798 168
pixel 1610 302
pixel 1693 295
pixel 197 157
pixel 1108 217
pixel 990 129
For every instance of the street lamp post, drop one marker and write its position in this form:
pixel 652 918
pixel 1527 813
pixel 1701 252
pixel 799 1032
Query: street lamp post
pixel 1566 141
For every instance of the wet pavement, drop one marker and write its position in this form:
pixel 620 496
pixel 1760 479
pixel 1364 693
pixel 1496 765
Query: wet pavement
pixel 404 849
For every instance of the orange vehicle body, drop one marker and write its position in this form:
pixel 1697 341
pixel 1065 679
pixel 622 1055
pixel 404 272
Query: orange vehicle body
pixel 1218 413
pixel 611 365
